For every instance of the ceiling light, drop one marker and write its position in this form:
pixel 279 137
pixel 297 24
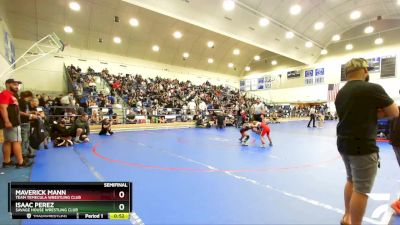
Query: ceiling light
pixel 349 47
pixel 134 22
pixel 324 52
pixel 236 51
pixel 336 37
pixel 257 57
pixel 379 41
pixel 185 55
pixel 355 15
pixel 369 29
pixel 398 2
pixel 210 44
pixel 247 68
pixel 309 44
pixel 210 60
pixel 263 22
pixel 230 65
pixel 295 9
pixel 177 34
pixel 117 40
pixel 68 29
pixel 156 48
pixel 74 6
pixel 318 25
pixel 289 35
pixel 274 62
pixel 229 5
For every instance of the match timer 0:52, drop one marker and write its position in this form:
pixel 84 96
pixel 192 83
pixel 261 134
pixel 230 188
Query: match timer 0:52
pixel 118 216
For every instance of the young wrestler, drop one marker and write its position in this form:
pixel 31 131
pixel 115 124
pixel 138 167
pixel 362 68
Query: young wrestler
pixel 243 131
pixel 263 129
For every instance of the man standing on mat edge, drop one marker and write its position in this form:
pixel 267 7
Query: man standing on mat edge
pixel 394 136
pixel 258 110
pixel 10 123
pixel 359 104
pixel 312 117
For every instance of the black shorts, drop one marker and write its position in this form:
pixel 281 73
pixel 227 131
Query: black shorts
pixel 244 130
pixel 257 117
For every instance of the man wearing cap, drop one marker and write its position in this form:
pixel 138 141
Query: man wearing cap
pixel 359 104
pixel 10 123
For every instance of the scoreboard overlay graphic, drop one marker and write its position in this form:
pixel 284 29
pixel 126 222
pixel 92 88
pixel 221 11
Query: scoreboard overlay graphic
pixel 65 200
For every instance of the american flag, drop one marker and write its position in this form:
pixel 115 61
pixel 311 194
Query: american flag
pixel 333 89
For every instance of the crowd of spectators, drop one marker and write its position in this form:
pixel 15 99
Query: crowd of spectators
pixel 156 97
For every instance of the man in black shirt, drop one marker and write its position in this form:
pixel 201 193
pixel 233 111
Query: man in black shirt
pixel 26 117
pixel 359 104
pixel 106 127
pixel 221 120
pixel 394 136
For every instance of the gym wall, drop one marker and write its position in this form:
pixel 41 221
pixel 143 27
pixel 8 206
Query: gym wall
pixel 294 90
pixel 46 75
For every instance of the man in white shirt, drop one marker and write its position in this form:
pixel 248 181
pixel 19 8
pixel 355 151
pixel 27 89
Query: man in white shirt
pixel 202 107
pixel 139 105
pixel 192 107
pixel 312 117
pixel 258 110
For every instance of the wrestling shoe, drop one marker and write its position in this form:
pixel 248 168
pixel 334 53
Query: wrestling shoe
pixel 396 207
pixel 9 164
pixel 26 163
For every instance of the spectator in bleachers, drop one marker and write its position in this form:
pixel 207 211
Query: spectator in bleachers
pixel 94 110
pixel 68 100
pixel 192 107
pixel 84 102
pixel 130 118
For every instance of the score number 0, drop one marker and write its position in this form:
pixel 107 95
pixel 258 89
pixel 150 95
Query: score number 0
pixel 121 206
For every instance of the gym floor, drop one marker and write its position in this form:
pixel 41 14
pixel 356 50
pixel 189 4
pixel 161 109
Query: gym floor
pixel 204 176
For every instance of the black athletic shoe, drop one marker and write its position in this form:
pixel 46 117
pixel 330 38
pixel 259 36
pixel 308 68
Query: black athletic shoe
pixel 9 164
pixel 26 163
pixel 46 147
pixel 30 156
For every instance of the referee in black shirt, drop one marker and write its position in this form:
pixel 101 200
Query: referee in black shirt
pixel 359 104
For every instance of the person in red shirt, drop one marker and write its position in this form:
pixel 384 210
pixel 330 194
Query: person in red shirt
pixel 263 129
pixel 10 123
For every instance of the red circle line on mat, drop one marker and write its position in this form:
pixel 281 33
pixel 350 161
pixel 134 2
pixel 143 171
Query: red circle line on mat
pixel 188 169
